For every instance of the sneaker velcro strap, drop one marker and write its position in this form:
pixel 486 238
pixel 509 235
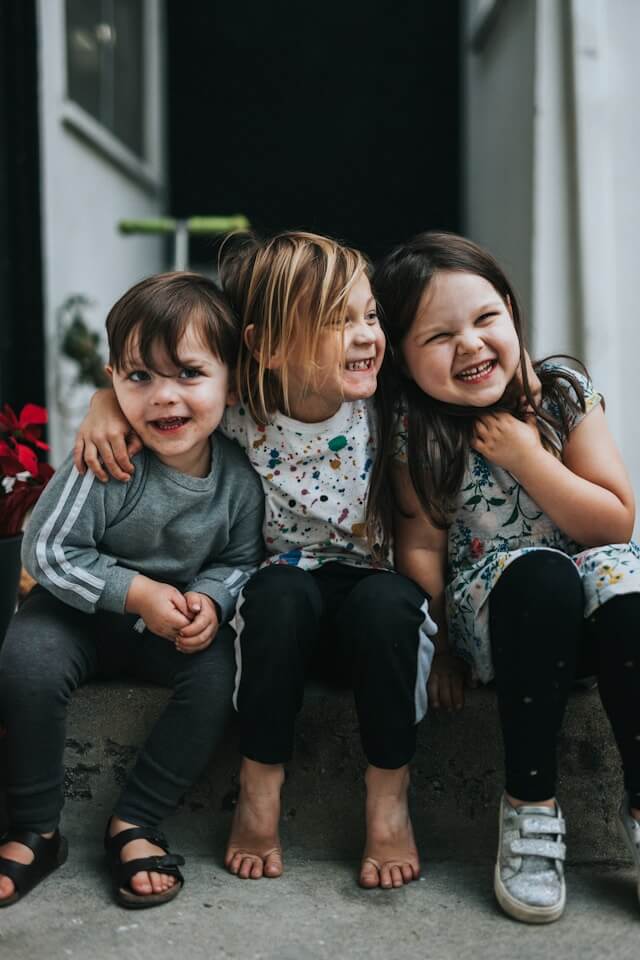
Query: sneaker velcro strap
pixel 532 825
pixel 529 846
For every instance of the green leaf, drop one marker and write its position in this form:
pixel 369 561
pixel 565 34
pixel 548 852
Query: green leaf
pixel 512 518
pixel 496 501
pixel 472 501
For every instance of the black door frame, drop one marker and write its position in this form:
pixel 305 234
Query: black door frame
pixel 22 362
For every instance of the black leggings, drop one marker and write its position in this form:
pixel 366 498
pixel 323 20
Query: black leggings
pixel 540 642
pixel 350 626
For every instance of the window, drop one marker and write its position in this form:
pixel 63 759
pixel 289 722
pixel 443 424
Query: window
pixel 106 66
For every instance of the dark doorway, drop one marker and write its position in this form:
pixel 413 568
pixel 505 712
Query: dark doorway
pixel 21 314
pixel 341 118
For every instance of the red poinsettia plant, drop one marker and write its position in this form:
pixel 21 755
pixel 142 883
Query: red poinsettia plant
pixel 23 475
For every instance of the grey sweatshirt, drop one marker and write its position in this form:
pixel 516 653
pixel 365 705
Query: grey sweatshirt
pixel 86 541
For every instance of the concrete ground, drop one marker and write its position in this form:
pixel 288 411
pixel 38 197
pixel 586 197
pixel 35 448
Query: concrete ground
pixel 316 912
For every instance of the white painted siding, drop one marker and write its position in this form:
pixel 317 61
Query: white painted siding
pixel 498 158
pixel 553 182
pixel 84 194
pixel 622 316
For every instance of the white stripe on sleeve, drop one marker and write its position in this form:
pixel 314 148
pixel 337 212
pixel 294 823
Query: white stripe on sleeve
pixel 42 542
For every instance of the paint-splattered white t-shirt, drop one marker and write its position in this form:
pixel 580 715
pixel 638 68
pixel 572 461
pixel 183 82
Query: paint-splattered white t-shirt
pixel 315 478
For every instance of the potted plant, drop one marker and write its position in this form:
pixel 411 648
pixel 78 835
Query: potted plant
pixel 23 477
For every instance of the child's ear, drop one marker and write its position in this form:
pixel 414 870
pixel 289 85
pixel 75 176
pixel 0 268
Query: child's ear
pixel 109 371
pixel 274 362
pixel 232 397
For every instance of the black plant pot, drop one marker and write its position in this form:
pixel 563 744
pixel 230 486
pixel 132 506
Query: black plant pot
pixel 9 579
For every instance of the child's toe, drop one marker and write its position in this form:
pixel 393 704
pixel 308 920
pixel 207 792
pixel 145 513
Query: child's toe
pixel 141 883
pixel 7 888
pixel 408 873
pixel 369 874
pixel 273 864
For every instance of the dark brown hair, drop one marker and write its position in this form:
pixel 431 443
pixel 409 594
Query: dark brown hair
pixel 439 434
pixel 157 312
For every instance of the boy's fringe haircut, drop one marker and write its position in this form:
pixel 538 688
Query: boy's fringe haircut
pixel 157 311
pixel 285 292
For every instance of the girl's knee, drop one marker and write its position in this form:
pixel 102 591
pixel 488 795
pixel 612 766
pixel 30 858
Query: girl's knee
pixel 386 596
pixel 281 598
pixel 543 577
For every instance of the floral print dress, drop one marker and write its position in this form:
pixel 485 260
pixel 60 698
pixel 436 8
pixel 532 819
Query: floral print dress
pixel 495 523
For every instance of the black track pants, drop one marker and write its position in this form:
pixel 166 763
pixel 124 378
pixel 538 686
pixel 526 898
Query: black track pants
pixel 349 626
pixel 50 649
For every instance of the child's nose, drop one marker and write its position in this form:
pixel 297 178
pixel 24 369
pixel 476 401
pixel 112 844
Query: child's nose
pixel 469 341
pixel 165 390
pixel 365 333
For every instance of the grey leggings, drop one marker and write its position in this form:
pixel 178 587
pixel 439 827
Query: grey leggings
pixel 50 649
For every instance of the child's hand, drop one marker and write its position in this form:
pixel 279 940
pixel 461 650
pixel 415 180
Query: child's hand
pixel 506 441
pixel 163 608
pixel 104 438
pixel 203 627
pixel 447 680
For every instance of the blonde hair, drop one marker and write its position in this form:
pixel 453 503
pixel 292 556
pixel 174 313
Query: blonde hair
pixel 287 289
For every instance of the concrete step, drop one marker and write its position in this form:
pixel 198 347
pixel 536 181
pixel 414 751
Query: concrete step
pixel 457 777
pixel 316 912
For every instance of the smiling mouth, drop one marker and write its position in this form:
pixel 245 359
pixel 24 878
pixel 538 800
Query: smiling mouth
pixel 169 424
pixel 477 373
pixel 355 365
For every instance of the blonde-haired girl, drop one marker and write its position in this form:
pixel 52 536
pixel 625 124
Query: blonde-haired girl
pixel 312 347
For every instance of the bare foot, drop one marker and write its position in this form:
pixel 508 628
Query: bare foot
pixel 143 882
pixel 254 849
pixel 20 854
pixel 390 856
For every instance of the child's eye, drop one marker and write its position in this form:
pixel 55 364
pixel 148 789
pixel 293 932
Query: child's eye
pixel 372 316
pixel 138 376
pixel 485 318
pixel 437 337
pixel 189 373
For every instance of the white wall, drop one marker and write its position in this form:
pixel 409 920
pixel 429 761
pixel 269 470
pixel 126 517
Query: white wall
pixel 553 181
pixel 555 290
pixel 499 91
pixel 622 319
pixel 84 194
pixel 587 199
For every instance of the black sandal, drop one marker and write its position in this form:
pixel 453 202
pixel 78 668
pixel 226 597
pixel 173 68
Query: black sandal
pixel 48 854
pixel 121 873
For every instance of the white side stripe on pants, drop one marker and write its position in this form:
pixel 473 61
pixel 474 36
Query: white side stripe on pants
pixel 238 625
pixel 426 650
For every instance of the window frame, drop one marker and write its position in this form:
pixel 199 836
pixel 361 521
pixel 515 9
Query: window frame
pixel 148 171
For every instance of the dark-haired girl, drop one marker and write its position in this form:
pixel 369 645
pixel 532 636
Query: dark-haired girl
pixel 515 513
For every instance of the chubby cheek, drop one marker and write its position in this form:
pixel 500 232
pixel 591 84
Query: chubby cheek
pixel 421 372
pixel 130 405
